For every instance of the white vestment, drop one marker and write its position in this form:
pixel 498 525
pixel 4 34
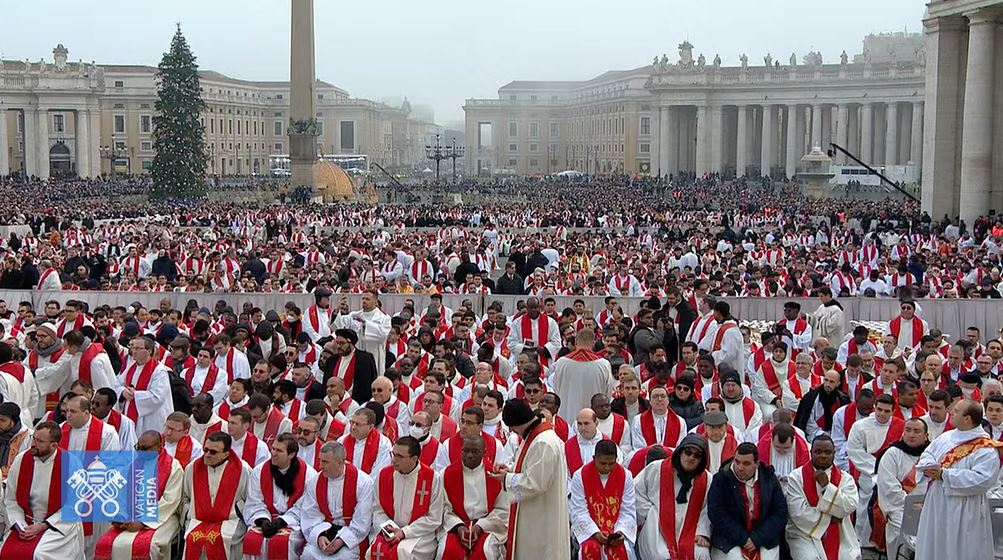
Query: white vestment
pixel 648 491
pixel 866 437
pixel 540 490
pixel 352 534
pixel 154 404
pixel 577 381
pixel 232 528
pixel 959 497
pixel 807 524
pixel 255 508
pixel 494 523
pixel 894 466
pixel 606 428
pixel 372 330
pixel 582 524
pixel 167 525
pixel 419 540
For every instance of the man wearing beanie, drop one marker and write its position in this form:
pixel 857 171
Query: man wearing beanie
pixel 15 436
pixel 538 525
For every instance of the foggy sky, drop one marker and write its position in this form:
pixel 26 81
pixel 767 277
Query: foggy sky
pixel 441 52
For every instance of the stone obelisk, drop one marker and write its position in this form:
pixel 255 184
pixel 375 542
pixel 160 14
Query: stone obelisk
pixel 302 69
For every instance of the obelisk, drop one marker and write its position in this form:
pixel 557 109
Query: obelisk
pixel 302 121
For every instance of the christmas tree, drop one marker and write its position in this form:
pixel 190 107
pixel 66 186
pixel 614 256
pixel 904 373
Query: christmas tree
pixel 178 135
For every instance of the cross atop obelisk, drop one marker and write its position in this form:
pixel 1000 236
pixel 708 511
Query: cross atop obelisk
pixel 302 115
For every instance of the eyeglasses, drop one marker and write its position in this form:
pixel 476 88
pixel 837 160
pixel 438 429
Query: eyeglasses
pixel 212 451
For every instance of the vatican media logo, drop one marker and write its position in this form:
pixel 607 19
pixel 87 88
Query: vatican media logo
pixel 110 486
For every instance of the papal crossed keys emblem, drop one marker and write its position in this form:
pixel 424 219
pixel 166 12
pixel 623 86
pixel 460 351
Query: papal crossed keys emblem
pixel 96 483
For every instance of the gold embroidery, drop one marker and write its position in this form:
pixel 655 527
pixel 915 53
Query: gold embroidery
pixel 210 536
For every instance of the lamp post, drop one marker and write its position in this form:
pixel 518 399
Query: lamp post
pixel 112 153
pixel 437 153
pixel 454 152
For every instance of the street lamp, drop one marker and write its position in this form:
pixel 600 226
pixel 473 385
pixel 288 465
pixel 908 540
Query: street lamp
pixel 453 153
pixel 112 153
pixel 439 152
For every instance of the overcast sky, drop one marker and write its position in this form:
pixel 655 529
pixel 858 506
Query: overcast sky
pixel 441 52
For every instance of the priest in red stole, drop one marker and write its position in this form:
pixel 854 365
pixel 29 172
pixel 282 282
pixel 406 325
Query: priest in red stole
pixel 672 503
pixel 366 448
pixel 408 508
pixel 868 437
pixel 132 541
pixel 337 509
pixel 820 501
pixel 603 520
pixel 178 442
pixel 215 490
pixel 475 523
pixel 534 329
pixel 32 503
pixel 274 492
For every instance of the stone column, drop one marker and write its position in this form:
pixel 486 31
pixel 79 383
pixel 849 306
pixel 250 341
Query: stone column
pixel 703 140
pixel 30 137
pixel 977 125
pixel 769 122
pixel 81 141
pixel 42 143
pixel 891 134
pixel 866 132
pixel 741 137
pixel 716 133
pixel 4 155
pixel 791 165
pixel 672 163
pixel 842 130
pixel 816 126
pixel 302 96
pixel 654 139
pixel 663 139
pixel 945 45
pixel 916 138
pixel 853 132
pixel 94 144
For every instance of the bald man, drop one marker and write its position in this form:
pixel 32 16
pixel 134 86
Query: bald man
pixel 383 393
pixel 580 449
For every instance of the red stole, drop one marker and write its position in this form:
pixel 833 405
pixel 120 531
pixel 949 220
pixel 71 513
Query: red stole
pixel 349 500
pixel 86 357
pixel 144 538
pixel 452 482
pixel 41 282
pixel 513 517
pixel 314 317
pixel 830 539
pixel 895 327
pixel 795 384
pixel 671 436
pixel 335 429
pixel 272 423
pixel 207 535
pixel 683 549
pixel 419 507
pixel 429 451
pixel 603 503
pixel 750 520
pixel 719 336
pixel 183 452
pixel 278 548
pixel 369 451
pixel 207 384
pixel 456 445
pixel 140 383
pixel 801 455
pixel 249 454
pixel 771 379
pixel 51 399
pixel 543 329
pixel 14 369
pixel 619 425
pixel 14 547
pixel 573 454
pixel 349 372
pixel 93 442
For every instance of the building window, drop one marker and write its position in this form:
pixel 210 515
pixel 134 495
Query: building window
pixel 347 135
pixel 120 144
pixel 320 128
pixel 534 130
pixel 144 106
pixel 212 126
pixel 512 97
pixel 553 98
pixel 119 124
pixel 238 127
pixel 58 123
pixel 146 146
pixel 534 148
pixel 512 162
pixel 147 165
pixel 277 115
pixel 145 124
pixel 513 147
pixel 532 98
pixel 320 96
pixel 278 128
pixel 278 147
pixel 645 126
pixel 644 148
pixel 119 83
pixel 513 129
pixel 555 130
pixel 534 163
pixel 278 96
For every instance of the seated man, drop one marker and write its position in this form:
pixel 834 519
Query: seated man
pixel 213 525
pixel 337 510
pixel 409 504
pixel 274 492
pixel 149 540
pixel 475 523
pixel 603 519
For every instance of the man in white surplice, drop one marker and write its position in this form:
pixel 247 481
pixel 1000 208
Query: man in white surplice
pixel 962 465
pixel 485 507
pixel 896 478
pixel 371 324
pixel 820 500
pixel 603 482
pixel 401 487
pixel 54 538
pixel 340 536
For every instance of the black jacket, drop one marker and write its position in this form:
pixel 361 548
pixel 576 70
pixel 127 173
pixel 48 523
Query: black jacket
pixel 365 374
pixel 509 286
pixel 803 413
pixel 314 391
pixel 535 261
pixel 619 406
pixel 691 411
pixel 726 510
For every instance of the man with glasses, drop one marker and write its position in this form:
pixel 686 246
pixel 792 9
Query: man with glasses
pixel 306 433
pixel 213 525
pixel 659 425
pixel 150 540
pixel 337 509
pixel 907 328
pixel 36 526
pixel 394 408
pixel 144 387
pixel 365 446
pixel 409 506
pixel 420 429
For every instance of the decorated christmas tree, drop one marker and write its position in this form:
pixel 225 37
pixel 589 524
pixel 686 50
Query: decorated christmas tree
pixel 178 135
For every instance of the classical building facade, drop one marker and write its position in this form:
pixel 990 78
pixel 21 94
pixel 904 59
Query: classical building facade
pixel 56 117
pixel 963 170
pixel 699 115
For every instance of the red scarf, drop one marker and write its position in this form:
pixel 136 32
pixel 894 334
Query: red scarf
pixel 895 327
pixel 86 358
pixel 349 500
pixel 573 454
pixel 369 451
pixel 207 384
pixel 543 327
pixel 452 482
pixel 144 538
pixel 207 535
pixel 94 432
pixel 513 517
pixel 830 539
pixel 278 545
pixel 140 383
pixel 604 504
pixel 672 427
pixel 419 507
pixel 349 372
pixel 15 547
pixel 683 549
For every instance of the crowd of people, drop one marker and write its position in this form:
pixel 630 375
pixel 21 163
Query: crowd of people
pixel 341 432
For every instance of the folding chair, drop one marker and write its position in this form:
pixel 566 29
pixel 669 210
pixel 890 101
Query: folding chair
pixel 910 526
pixel 996 514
